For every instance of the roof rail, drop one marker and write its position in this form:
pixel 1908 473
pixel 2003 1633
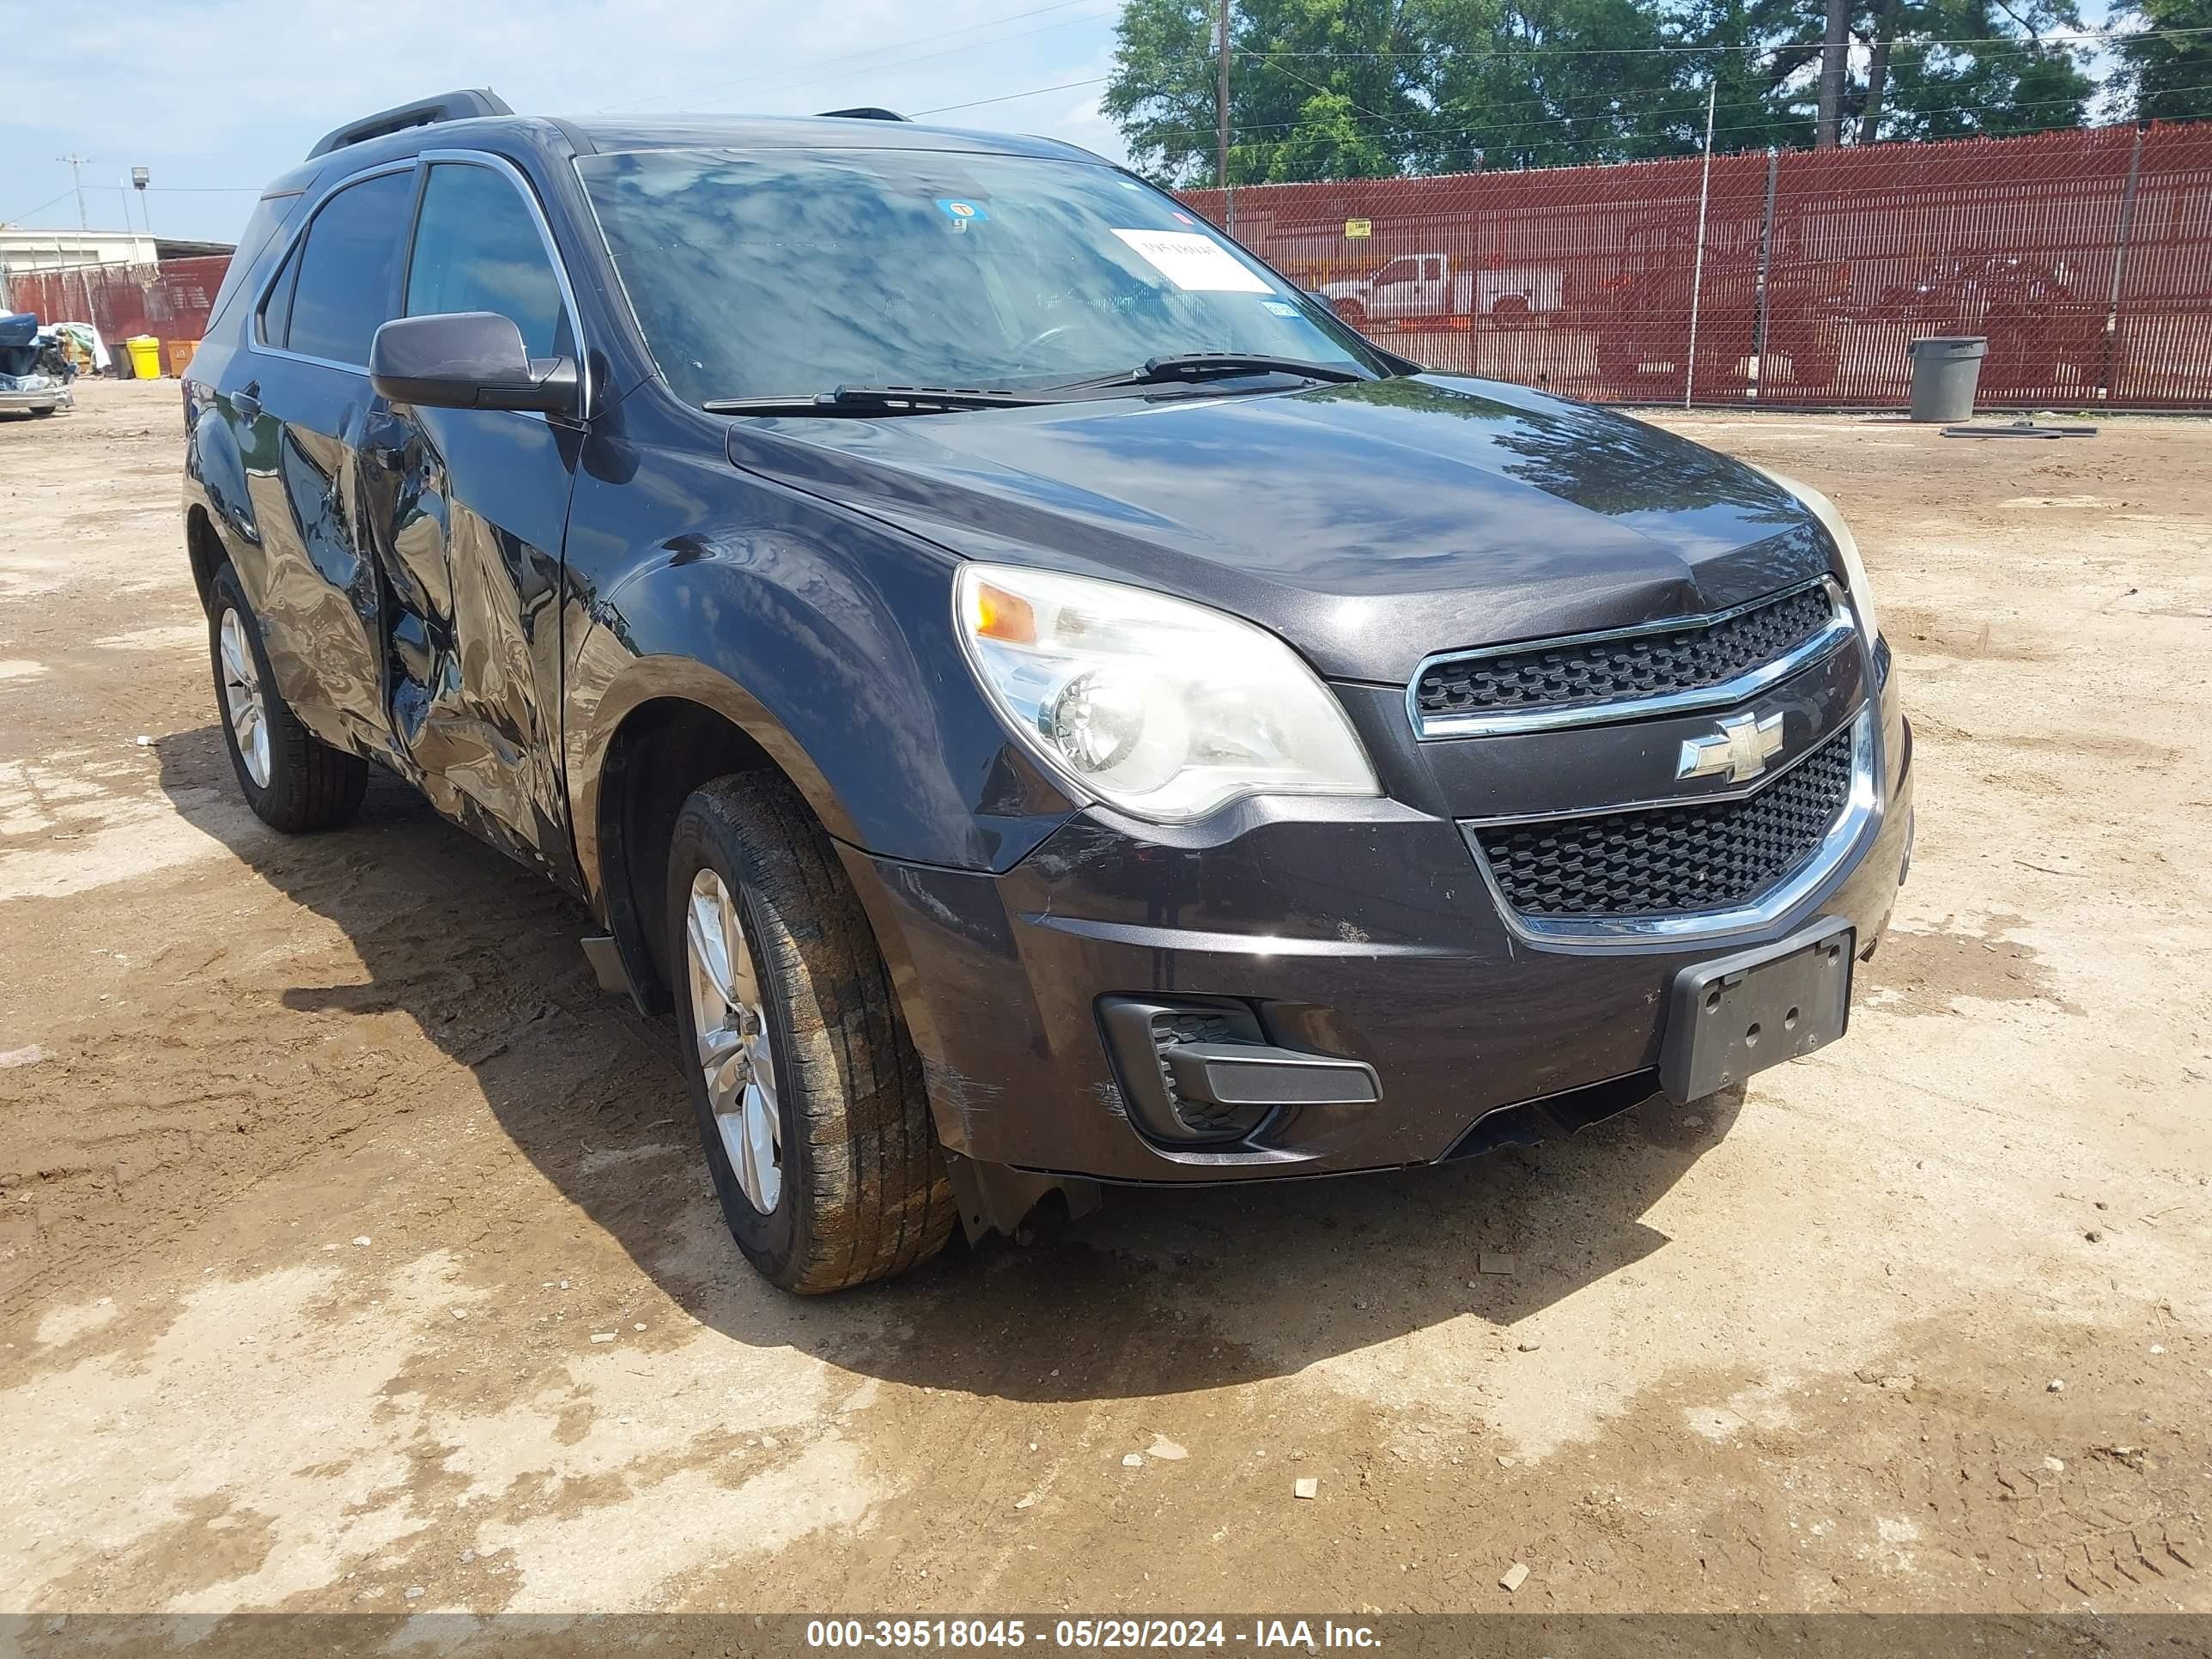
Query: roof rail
pixel 427 112
pixel 862 112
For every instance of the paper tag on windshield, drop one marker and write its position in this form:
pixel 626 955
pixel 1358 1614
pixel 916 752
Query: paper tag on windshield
pixel 1192 260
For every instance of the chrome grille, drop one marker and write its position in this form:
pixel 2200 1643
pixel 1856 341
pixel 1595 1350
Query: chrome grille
pixel 1703 662
pixel 1672 860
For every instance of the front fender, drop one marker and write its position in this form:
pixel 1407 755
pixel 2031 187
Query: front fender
pixel 823 635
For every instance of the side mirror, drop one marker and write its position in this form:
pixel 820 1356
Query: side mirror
pixel 467 360
pixel 1321 299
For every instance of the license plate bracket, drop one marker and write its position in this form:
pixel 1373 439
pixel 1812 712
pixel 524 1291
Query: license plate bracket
pixel 1736 1015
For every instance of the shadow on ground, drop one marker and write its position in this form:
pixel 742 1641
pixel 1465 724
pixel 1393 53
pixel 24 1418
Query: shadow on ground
pixel 1164 1292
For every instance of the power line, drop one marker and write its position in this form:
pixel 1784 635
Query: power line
pixel 1610 101
pixel 124 191
pixel 18 218
pixel 717 88
pixel 1328 91
pixel 1605 102
pixel 949 52
pixel 1495 131
pixel 1551 103
pixel 2107 36
pixel 1065 86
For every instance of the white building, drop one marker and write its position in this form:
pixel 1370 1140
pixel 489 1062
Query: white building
pixel 22 249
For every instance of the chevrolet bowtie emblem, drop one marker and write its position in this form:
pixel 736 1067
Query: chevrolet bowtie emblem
pixel 1739 751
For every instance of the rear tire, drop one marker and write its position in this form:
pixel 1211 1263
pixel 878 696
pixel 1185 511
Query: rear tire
pixel 292 779
pixel 849 1184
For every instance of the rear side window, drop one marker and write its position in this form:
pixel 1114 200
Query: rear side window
pixel 343 291
pixel 476 248
pixel 270 215
pixel 277 309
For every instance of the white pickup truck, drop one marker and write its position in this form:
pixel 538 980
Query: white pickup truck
pixel 1434 289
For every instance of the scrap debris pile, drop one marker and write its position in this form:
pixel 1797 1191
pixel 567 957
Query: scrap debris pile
pixel 37 364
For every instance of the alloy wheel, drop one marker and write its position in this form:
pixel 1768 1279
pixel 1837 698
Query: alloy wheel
pixel 242 699
pixel 731 1019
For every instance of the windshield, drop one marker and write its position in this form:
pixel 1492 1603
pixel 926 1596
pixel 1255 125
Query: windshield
pixel 772 273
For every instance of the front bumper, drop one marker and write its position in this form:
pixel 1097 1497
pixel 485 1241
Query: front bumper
pixel 33 402
pixel 1362 929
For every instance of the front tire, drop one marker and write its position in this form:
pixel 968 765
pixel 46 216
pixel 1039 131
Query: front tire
pixel 807 1089
pixel 292 779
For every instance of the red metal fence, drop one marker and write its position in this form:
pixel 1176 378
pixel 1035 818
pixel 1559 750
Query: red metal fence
pixel 2085 256
pixel 169 301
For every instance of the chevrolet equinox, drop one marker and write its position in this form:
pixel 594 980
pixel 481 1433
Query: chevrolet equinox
pixel 1042 701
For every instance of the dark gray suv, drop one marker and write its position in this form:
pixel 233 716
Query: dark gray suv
pixel 1042 701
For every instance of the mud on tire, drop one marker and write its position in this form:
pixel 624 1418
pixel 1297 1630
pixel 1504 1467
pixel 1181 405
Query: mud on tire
pixel 864 1192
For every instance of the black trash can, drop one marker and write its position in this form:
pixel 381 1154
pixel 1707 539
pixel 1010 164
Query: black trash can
pixel 1945 372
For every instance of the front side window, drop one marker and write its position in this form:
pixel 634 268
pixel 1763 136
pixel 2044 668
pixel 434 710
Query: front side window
pixel 777 273
pixel 476 248
pixel 344 293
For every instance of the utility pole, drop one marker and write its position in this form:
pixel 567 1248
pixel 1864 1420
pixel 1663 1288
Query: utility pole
pixel 1833 58
pixel 1221 100
pixel 75 162
pixel 1698 273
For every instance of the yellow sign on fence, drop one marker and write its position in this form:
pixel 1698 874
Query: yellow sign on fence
pixel 1358 228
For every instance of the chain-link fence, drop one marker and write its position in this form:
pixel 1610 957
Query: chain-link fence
pixel 2085 256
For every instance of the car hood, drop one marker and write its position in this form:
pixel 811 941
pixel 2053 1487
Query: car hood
pixel 1369 524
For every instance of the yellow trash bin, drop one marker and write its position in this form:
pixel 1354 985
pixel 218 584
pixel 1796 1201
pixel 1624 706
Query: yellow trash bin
pixel 145 357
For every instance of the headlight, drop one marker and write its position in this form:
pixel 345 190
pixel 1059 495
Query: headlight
pixel 1847 547
pixel 1162 707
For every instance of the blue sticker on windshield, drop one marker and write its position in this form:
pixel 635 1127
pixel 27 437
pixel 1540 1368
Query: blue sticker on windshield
pixel 962 213
pixel 1280 307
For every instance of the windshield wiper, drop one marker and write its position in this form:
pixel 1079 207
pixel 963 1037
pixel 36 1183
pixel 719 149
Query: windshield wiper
pixel 874 400
pixel 1208 365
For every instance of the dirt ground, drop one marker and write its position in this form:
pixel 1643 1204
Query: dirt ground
pixel 355 1252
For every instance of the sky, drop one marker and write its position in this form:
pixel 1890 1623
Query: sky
pixel 216 97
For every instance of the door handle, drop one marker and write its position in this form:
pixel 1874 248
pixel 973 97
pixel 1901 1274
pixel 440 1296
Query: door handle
pixel 244 403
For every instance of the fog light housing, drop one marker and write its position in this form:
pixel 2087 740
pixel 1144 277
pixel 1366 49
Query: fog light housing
pixel 1200 1069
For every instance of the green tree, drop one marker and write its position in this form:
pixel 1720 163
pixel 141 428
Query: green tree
pixel 2167 77
pixel 1760 56
pixel 1347 88
pixel 2019 83
pixel 1552 82
pixel 1320 89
